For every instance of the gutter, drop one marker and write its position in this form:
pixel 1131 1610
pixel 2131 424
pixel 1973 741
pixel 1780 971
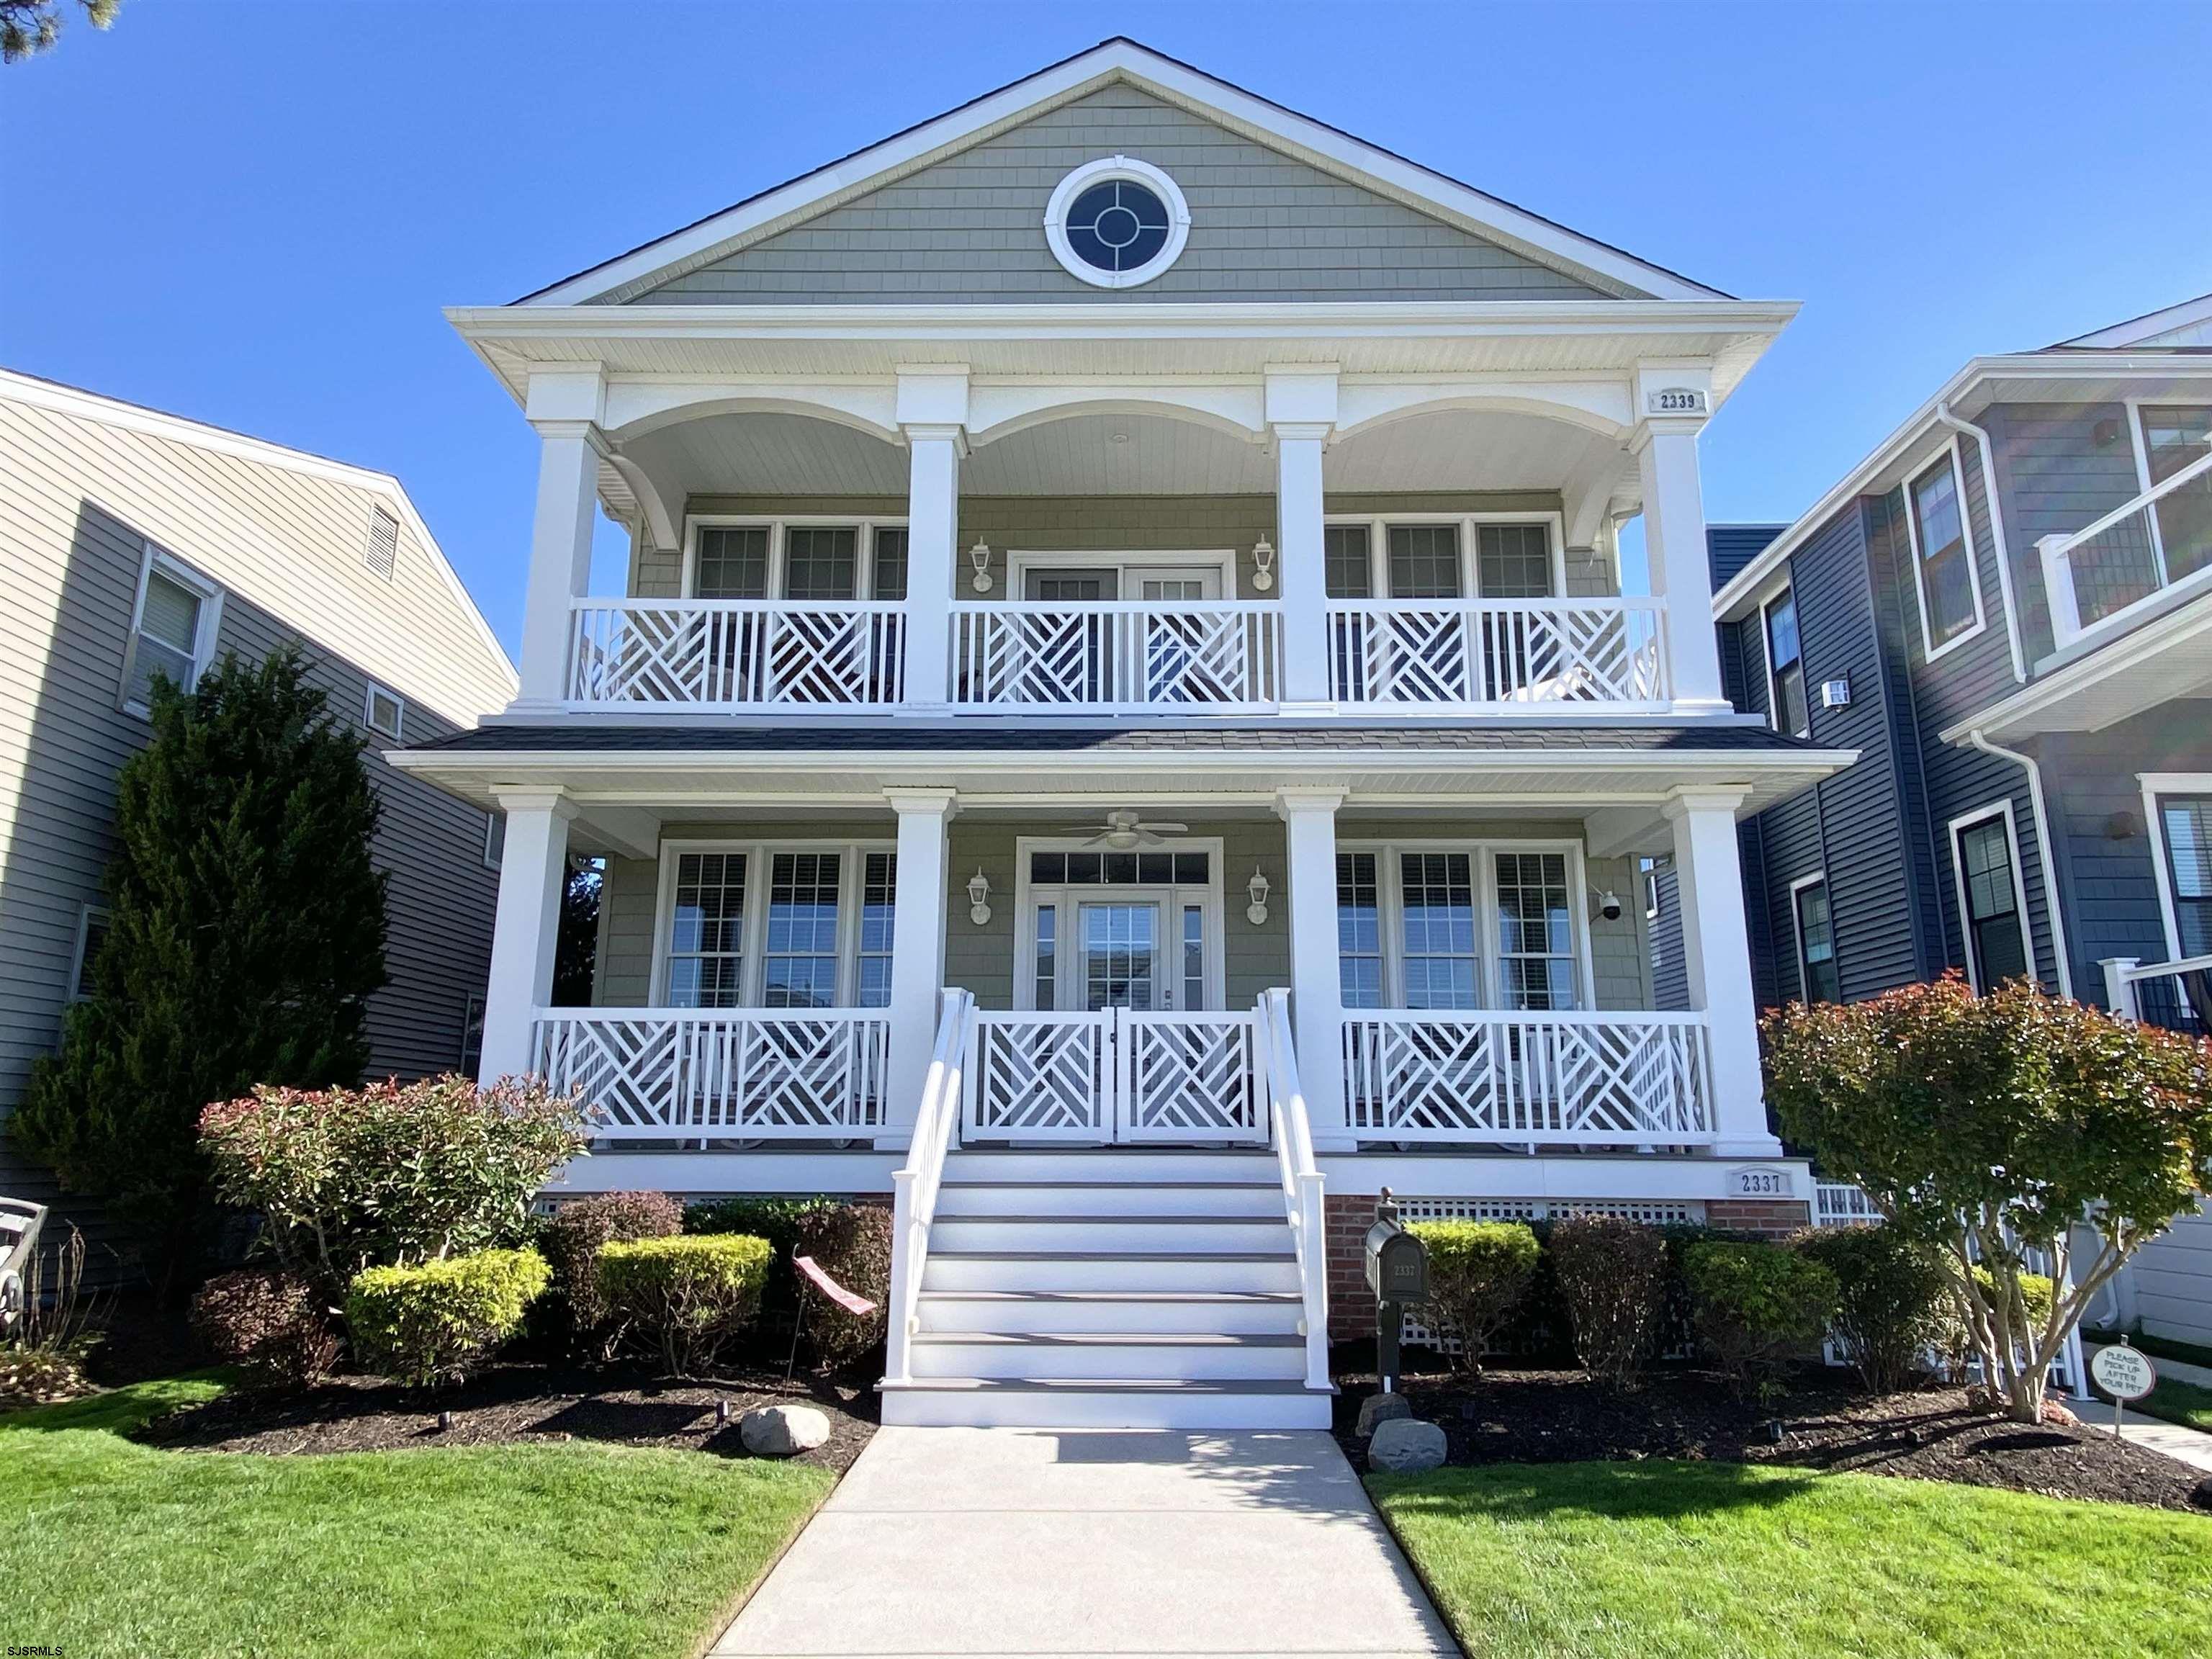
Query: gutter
pixel 1984 449
pixel 2027 764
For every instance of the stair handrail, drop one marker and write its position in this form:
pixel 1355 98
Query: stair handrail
pixel 1290 1128
pixel 914 1185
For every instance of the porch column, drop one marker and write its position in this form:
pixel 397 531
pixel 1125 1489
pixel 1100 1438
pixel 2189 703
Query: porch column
pixel 532 870
pixel 917 952
pixel 1717 954
pixel 1317 990
pixel 933 413
pixel 1301 414
pixel 564 407
pixel 1666 446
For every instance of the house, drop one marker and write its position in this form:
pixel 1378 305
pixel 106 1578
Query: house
pixel 1123 729
pixel 2006 609
pixel 134 542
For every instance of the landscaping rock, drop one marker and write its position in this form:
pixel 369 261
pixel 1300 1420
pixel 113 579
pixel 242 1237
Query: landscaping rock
pixel 1379 1408
pixel 2202 1494
pixel 782 1431
pixel 1406 1445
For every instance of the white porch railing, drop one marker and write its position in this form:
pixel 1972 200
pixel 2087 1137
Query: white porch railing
pixel 716 1073
pixel 1475 654
pixel 2174 996
pixel 2115 565
pixel 1116 1075
pixel 1629 1080
pixel 736 653
pixel 1213 656
pixel 914 1185
pixel 1292 1134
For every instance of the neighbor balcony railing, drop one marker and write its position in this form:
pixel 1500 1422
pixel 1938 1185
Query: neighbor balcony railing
pixel 2174 996
pixel 1473 653
pixel 2118 565
pixel 1195 656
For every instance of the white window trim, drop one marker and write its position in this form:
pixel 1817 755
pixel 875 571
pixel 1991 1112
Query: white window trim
pixel 852 876
pixel 1797 934
pixel 472 1014
pixel 1021 561
pixel 369 711
pixel 1647 876
pixel 1967 820
pixel 1378 526
pixel 87 916
pixel 492 820
pixel 1025 927
pixel 1930 650
pixel 2153 785
pixel 210 621
pixel 1773 677
pixel 864 578
pixel 1099 172
pixel 1489 975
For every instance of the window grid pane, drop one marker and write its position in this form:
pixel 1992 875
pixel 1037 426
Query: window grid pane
pixel 801 957
pixel 890 582
pixel 1048 960
pixel 733 561
pixel 1996 934
pixel 2189 851
pixel 879 927
pixel 1120 948
pixel 1437 893
pixel 1347 569
pixel 1193 956
pixel 1358 930
pixel 1536 930
pixel 1513 560
pixel 706 939
pixel 1816 945
pixel 1424 561
pixel 821 563
pixel 1947 575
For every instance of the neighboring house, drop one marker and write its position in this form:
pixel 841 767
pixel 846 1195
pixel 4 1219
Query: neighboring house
pixel 133 541
pixel 2007 610
pixel 1146 559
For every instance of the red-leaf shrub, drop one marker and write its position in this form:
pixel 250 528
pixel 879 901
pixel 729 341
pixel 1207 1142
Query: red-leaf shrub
pixel 268 1322
pixel 851 1242
pixel 571 1241
pixel 1612 1275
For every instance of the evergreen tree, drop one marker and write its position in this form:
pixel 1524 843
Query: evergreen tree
pixel 246 930
pixel 29 26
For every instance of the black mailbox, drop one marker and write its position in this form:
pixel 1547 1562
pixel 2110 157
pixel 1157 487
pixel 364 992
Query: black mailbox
pixel 1398 1273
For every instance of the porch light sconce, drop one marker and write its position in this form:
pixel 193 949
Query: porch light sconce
pixel 980 557
pixel 1257 912
pixel 979 896
pixel 1263 564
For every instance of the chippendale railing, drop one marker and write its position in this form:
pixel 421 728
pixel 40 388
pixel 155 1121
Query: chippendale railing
pixel 1203 656
pixel 736 653
pixel 1528 1078
pixel 712 1073
pixel 1115 1075
pixel 1476 653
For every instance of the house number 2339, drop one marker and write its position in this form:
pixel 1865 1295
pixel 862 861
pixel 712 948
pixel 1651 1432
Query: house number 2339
pixel 1676 400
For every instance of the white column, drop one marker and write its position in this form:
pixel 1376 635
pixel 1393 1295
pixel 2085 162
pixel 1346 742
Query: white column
pixel 534 867
pixel 564 407
pixel 1717 954
pixel 1301 414
pixel 933 413
pixel 1666 447
pixel 1317 988
pixel 918 909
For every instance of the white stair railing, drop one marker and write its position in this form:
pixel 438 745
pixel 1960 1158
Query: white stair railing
pixel 1480 654
pixel 2174 996
pixel 2113 565
pixel 1201 656
pixel 736 653
pixel 914 1185
pixel 1293 1132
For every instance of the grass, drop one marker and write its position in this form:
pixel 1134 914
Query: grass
pixel 114 1548
pixel 2186 1403
pixel 1657 1560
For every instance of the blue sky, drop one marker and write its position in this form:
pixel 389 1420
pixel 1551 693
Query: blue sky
pixel 250 211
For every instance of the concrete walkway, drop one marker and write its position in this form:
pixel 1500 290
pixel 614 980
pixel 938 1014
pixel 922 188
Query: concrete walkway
pixel 945 1542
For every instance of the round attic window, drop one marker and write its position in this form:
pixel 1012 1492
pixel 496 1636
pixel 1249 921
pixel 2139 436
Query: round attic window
pixel 1117 222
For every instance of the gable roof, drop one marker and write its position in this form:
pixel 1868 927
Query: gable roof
pixel 2187 323
pixel 776 209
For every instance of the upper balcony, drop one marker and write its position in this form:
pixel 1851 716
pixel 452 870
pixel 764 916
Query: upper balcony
pixel 2141 560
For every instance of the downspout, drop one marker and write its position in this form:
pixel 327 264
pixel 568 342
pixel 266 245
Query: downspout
pixel 1984 449
pixel 2051 902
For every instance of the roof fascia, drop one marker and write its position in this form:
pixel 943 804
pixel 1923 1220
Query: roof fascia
pixel 2136 329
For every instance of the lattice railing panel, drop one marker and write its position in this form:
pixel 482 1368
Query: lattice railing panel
pixel 1189 1077
pixel 1037 1077
pixel 736 653
pixel 1214 654
pixel 1476 652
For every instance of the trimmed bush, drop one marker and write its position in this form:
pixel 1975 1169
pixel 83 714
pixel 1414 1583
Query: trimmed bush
pixel 851 1242
pixel 1891 1300
pixel 684 1297
pixel 1478 1272
pixel 1756 1304
pixel 269 1323
pixel 573 1238
pixel 436 1323
pixel 775 1219
pixel 1612 1275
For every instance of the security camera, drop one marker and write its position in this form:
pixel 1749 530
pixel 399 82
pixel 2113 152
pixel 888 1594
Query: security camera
pixel 1608 906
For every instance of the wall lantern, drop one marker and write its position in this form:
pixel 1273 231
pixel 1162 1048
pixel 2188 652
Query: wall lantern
pixel 1257 912
pixel 979 896
pixel 1263 564
pixel 980 557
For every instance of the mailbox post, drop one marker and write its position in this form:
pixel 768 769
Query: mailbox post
pixel 1398 1273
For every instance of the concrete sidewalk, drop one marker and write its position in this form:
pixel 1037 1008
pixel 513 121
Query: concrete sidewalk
pixel 1008 1541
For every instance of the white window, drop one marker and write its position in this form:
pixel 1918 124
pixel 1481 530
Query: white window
pixel 794 926
pixel 1462 926
pixel 381 552
pixel 1992 901
pixel 1647 872
pixel 1942 556
pixel 384 711
pixel 1817 975
pixel 1116 222
pixel 472 1022
pixel 1787 709
pixel 810 559
pixel 91 934
pixel 494 842
pixel 1480 554
pixel 173 628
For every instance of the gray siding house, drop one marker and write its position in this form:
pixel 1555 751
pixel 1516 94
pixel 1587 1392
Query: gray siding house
pixel 131 540
pixel 2006 610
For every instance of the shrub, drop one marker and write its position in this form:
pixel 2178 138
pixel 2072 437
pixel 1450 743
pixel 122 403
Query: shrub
pixel 1612 1275
pixel 1890 1300
pixel 1478 1272
pixel 1755 1304
pixel 389 1173
pixel 775 1219
pixel 687 1296
pixel 267 1322
pixel 55 1325
pixel 573 1238
pixel 1955 1320
pixel 437 1321
pixel 851 1242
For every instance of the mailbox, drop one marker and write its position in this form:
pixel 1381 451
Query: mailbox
pixel 1398 1273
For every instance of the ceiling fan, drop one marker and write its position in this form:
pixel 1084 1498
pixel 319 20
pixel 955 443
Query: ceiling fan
pixel 1125 828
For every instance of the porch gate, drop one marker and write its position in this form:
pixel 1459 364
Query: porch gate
pixel 1116 1076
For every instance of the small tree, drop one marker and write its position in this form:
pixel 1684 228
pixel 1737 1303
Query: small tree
pixel 245 932
pixel 1992 1127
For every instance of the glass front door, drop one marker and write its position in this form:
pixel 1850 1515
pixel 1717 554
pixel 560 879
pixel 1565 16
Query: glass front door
pixel 1120 930
pixel 1116 963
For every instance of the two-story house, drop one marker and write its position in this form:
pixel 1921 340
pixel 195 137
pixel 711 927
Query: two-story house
pixel 136 543
pixel 1123 729
pixel 2006 609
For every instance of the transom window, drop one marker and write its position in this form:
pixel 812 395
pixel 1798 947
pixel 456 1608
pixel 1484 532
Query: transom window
pixel 1441 558
pixel 1459 928
pixel 1943 559
pixel 1817 975
pixel 1786 669
pixel 808 927
pixel 800 560
pixel 1988 866
pixel 173 635
pixel 1116 222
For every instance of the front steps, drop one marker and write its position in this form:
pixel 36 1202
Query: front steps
pixel 1110 1289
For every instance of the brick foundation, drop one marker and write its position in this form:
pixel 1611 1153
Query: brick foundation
pixel 1776 1218
pixel 1345 1220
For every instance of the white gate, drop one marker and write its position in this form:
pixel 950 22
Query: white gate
pixel 1116 1076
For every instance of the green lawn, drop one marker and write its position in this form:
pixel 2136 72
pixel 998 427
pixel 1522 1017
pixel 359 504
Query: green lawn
pixel 112 1549
pixel 2186 1403
pixel 1656 1560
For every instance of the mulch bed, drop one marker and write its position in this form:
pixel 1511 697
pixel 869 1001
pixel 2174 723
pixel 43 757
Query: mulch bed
pixel 1508 1416
pixel 521 1404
